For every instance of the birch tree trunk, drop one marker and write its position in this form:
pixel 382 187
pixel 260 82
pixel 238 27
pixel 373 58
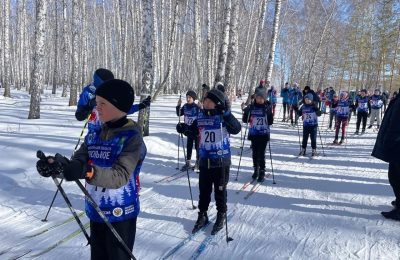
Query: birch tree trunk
pixel 66 81
pixel 53 91
pixel 147 70
pixel 197 35
pixel 271 55
pixel 230 90
pixel 394 60
pixel 75 59
pixel 6 32
pixel 209 45
pixel 170 52
pixel 257 61
pixel 34 109
pixel 223 51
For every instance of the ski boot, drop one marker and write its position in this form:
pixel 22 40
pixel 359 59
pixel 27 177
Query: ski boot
pixel 261 176
pixel 186 167
pixel 357 132
pixel 363 131
pixel 255 174
pixel 202 220
pixel 302 152
pixel 314 152
pixel 219 223
pixel 370 126
pixel 393 214
pixel 341 140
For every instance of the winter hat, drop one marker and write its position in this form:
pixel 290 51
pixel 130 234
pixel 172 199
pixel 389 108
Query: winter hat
pixel 343 94
pixel 192 94
pixel 216 96
pixel 262 82
pixel 220 87
pixel 261 92
pixel 309 96
pixel 101 75
pixel 307 88
pixel 117 92
pixel 364 90
pixel 205 87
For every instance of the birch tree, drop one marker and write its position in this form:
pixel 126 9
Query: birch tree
pixel 6 49
pixel 75 59
pixel 274 38
pixel 147 59
pixel 41 9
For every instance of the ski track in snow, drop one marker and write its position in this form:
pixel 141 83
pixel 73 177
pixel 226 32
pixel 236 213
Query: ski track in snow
pixel 327 207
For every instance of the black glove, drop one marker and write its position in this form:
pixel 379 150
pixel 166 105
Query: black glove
pixel 181 128
pixel 75 170
pixel 145 103
pixel 50 165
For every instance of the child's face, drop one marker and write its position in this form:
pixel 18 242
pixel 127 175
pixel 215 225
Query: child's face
pixel 189 99
pixel 107 111
pixel 208 104
pixel 260 100
pixel 308 101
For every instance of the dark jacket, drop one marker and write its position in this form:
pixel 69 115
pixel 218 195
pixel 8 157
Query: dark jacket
pixel 387 144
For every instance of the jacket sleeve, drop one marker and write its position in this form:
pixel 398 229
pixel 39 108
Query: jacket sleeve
pixel 134 109
pixel 85 106
pixel 118 175
pixel 246 112
pixel 233 126
pixel 179 110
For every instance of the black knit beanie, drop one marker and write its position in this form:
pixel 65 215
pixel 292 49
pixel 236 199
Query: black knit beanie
pixel 117 92
pixel 104 74
pixel 205 87
pixel 192 94
pixel 216 96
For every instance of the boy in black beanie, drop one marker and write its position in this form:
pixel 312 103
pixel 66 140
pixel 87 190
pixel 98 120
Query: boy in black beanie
pixel 110 160
pixel 214 123
pixel 189 112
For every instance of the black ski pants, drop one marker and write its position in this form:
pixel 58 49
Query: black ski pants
pixel 285 108
pixel 258 146
pixel 361 116
pixel 312 132
pixel 217 177
pixel 394 180
pixel 104 245
pixel 189 146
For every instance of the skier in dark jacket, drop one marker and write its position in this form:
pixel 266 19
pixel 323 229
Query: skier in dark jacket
pixel 387 148
pixel 189 111
pixel 214 124
pixel 259 116
pixel 110 160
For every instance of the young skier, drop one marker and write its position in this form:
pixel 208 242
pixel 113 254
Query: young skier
pixel 309 113
pixel 332 110
pixel 259 116
pixel 189 111
pixel 214 124
pixel 285 100
pixel 294 100
pixel 272 98
pixel 342 117
pixel 363 107
pixel 110 160
pixel 376 105
pixel 87 99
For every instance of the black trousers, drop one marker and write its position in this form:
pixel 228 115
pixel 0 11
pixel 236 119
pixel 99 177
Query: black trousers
pixel 312 132
pixel 361 116
pixel 258 146
pixel 104 245
pixel 331 117
pixel 394 180
pixel 217 177
pixel 189 147
pixel 285 108
pixel 293 111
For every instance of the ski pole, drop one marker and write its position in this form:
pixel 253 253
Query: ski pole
pixel 187 173
pixel 76 146
pixel 241 148
pixel 298 133
pixel 104 218
pixel 40 155
pixel 322 145
pixel 179 138
pixel 228 238
pixel 270 157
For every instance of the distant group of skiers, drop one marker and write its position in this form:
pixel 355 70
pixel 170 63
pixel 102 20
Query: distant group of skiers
pixel 113 150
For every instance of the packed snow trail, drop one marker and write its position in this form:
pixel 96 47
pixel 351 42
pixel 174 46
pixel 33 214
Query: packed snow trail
pixel 324 208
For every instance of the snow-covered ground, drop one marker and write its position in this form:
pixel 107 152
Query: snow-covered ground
pixel 324 208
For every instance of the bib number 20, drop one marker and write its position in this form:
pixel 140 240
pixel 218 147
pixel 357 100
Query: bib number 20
pixel 209 137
